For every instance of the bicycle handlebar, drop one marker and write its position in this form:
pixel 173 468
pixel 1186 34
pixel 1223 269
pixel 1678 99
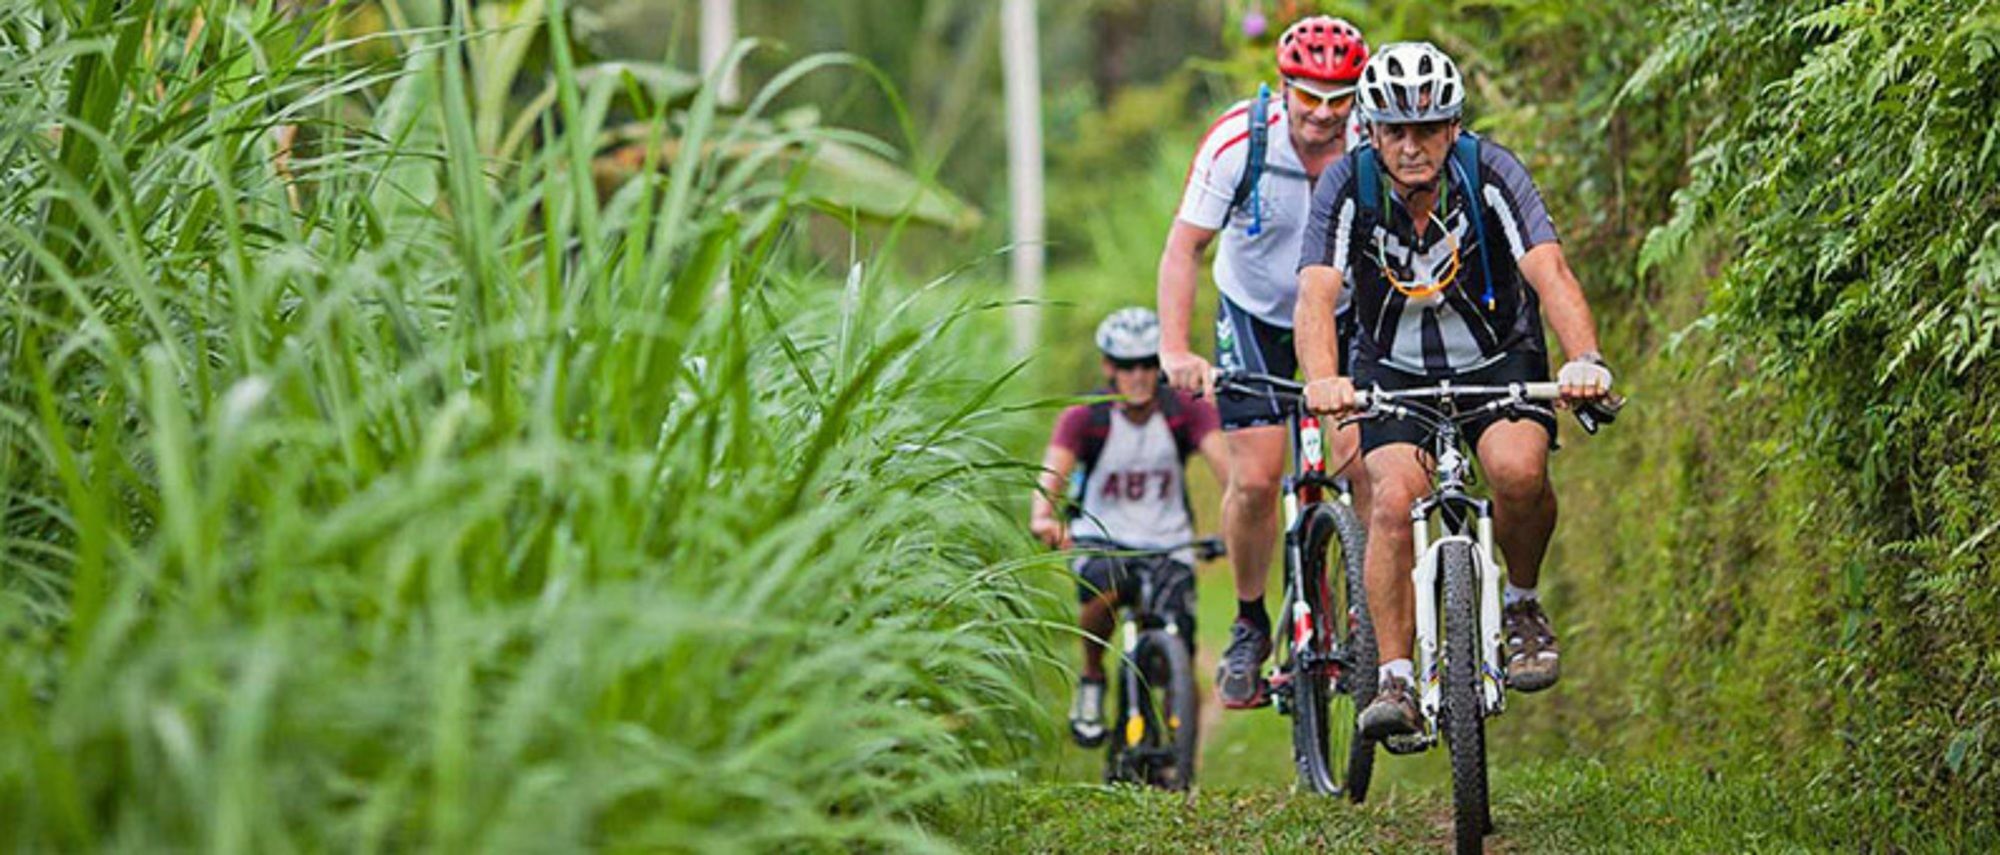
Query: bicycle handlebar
pixel 1205 548
pixel 1592 414
pixel 1366 398
pixel 1252 383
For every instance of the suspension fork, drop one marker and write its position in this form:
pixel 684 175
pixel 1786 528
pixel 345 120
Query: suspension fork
pixel 1424 579
pixel 1133 728
pixel 1489 613
pixel 1301 491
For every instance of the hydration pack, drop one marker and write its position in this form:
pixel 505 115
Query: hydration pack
pixel 1464 164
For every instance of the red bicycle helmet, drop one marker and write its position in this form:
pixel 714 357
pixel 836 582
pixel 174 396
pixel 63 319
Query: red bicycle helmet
pixel 1322 48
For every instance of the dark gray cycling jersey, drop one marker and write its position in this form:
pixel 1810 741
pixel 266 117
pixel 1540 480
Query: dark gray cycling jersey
pixel 1454 331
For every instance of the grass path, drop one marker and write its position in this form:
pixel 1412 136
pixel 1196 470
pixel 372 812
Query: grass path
pixel 1545 800
pixel 1567 805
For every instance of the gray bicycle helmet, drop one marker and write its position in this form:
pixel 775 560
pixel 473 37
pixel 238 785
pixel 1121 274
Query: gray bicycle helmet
pixel 1130 333
pixel 1410 82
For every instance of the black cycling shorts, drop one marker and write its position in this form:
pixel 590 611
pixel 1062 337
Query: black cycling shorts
pixel 1244 342
pixel 1518 367
pixel 1096 574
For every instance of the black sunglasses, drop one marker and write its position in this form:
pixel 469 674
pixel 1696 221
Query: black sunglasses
pixel 1135 364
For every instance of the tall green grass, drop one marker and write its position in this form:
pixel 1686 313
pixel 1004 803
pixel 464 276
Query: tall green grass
pixel 404 496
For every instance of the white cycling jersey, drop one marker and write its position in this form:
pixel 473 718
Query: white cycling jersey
pixel 1259 274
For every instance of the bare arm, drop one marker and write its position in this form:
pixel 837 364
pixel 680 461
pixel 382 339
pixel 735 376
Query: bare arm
pixel 1057 462
pixel 1312 321
pixel 1584 377
pixel 1180 276
pixel 1547 271
pixel 1318 340
pixel 1214 448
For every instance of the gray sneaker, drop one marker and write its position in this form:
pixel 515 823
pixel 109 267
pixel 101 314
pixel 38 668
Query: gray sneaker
pixel 1086 714
pixel 1393 712
pixel 1533 663
pixel 1239 680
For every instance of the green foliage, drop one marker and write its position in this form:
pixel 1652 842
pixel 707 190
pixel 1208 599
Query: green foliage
pixel 387 496
pixel 1854 151
pixel 1783 560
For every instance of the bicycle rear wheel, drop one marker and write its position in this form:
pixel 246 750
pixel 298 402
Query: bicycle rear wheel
pixel 1464 699
pixel 1330 757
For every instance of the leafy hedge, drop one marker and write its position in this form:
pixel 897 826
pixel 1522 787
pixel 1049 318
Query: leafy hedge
pixel 1795 537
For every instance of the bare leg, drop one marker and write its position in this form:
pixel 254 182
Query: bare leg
pixel 1095 617
pixel 1344 444
pixel 1515 457
pixel 1250 505
pixel 1397 473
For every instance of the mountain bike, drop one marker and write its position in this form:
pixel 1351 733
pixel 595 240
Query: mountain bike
pixel 1157 729
pixel 1326 663
pixel 1460 666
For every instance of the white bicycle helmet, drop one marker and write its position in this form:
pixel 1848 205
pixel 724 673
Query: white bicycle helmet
pixel 1410 82
pixel 1130 333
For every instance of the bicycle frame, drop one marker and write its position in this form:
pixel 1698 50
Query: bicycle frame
pixel 1458 517
pixel 1153 607
pixel 1303 487
pixel 1150 610
pixel 1325 649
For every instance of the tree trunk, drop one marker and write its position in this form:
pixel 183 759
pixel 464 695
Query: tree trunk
pixel 1021 56
pixel 718 33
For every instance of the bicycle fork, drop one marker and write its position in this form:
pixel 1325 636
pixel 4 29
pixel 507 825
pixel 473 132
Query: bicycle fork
pixel 1311 461
pixel 1424 578
pixel 1133 728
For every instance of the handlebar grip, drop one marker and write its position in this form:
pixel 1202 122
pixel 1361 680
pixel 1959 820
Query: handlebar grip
pixel 1543 391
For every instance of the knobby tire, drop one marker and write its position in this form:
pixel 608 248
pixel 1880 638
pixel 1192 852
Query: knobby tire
pixel 1330 756
pixel 1464 697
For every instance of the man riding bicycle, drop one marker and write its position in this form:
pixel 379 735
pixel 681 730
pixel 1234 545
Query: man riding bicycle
pixel 1452 263
pixel 1133 450
pixel 1260 211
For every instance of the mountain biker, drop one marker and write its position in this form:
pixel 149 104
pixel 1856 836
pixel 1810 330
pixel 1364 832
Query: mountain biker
pixel 1432 303
pixel 1319 58
pixel 1133 450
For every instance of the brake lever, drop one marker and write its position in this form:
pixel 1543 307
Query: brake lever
pixel 1594 415
pixel 1359 417
pixel 1537 409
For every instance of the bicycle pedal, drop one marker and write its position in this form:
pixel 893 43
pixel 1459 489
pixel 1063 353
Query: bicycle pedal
pixel 1407 743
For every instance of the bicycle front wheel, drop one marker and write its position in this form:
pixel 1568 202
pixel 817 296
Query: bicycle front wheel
pixel 1464 700
pixel 1330 757
pixel 1170 673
